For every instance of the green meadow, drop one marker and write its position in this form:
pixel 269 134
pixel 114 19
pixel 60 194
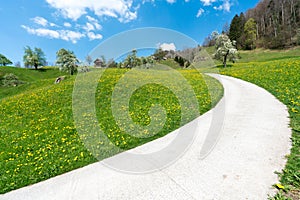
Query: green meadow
pixel 38 136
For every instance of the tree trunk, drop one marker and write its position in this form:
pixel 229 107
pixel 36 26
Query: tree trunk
pixel 257 35
pixel 274 26
pixel 225 59
pixel 282 13
pixel 36 66
pixel 293 11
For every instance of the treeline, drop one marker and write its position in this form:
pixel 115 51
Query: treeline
pixel 271 24
pixel 277 23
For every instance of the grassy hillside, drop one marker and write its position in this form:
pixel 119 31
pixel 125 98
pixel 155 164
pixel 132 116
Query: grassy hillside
pixel 260 55
pixel 38 137
pixel 32 79
pixel 31 75
pixel 171 63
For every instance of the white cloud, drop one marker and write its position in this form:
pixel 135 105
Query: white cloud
pixel 88 27
pixel 93 36
pixel 70 35
pixel 218 8
pixel 171 1
pixel 40 21
pixel 225 6
pixel 42 32
pixel 97 26
pixel 128 16
pixel 91 19
pixel 56 34
pixel 52 24
pixel 200 12
pixel 146 1
pixel 167 47
pixel 208 2
pixel 73 9
pixel 94 22
pixel 67 24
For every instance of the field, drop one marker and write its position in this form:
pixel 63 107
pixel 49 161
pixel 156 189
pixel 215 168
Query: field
pixel 38 136
pixel 281 77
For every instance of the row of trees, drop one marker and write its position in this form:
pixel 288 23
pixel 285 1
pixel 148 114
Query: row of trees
pixel 65 59
pixel 131 60
pixel 225 50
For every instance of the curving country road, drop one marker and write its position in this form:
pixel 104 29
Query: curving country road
pixel 252 144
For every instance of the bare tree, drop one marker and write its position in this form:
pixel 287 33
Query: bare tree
pixel 277 22
pixel 89 59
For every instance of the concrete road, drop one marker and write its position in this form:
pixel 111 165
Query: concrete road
pixel 251 146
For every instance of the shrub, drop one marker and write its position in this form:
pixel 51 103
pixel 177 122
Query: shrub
pixel 11 80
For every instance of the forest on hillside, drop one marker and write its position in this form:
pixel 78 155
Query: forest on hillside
pixel 271 24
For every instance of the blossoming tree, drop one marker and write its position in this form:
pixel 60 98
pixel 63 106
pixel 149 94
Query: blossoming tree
pixel 225 49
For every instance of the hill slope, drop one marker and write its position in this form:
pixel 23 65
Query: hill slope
pixel 32 79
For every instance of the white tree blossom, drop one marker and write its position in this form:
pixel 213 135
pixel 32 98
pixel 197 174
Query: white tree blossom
pixel 225 49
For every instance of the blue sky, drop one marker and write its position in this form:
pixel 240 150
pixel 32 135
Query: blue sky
pixel 81 25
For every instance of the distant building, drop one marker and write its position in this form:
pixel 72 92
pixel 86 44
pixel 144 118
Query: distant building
pixel 98 63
